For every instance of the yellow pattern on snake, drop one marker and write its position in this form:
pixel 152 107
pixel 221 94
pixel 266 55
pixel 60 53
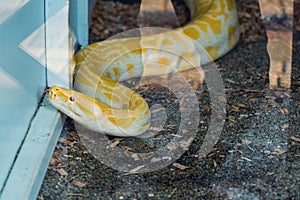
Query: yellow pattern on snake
pixel 102 104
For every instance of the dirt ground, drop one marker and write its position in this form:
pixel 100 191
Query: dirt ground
pixel 257 154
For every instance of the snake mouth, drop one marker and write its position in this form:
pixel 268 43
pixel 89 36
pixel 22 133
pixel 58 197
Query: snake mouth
pixel 46 91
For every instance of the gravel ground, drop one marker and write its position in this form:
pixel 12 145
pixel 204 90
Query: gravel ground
pixel 257 155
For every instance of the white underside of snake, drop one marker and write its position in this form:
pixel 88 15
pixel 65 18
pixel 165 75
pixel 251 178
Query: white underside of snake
pixel 101 104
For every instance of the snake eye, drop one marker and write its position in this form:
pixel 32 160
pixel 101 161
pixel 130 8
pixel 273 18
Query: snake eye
pixel 72 98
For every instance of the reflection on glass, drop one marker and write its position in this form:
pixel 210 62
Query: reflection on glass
pixel 9 7
pixel 58 55
pixel 278 18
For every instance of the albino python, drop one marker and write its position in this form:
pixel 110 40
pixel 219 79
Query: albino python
pixel 102 104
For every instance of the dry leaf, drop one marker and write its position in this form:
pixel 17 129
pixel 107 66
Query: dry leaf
pixel 135 170
pixel 78 183
pixel 127 148
pixel 215 164
pixel 113 144
pixel 41 197
pixel 179 166
pixel 85 152
pixel 244 158
pixel 62 140
pixel 76 195
pixel 232 119
pixel 53 161
pixel 206 108
pixel 68 156
pixel 286 125
pixel 240 105
pixel 283 111
pixel 230 81
pixel 295 138
pixel 278 152
pixel 62 172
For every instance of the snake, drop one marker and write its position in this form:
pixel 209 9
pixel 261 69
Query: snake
pixel 99 102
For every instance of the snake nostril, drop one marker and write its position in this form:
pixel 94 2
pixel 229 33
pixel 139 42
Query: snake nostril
pixel 52 95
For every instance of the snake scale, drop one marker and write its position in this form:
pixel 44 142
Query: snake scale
pixel 102 104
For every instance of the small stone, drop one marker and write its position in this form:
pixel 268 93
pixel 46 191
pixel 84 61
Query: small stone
pixel 151 195
pixel 279 100
pixel 202 123
pixel 267 152
pixel 184 131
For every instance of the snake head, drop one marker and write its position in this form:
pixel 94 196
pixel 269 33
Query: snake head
pixel 78 106
pixel 100 117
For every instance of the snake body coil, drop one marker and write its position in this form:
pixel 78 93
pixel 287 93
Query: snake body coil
pixel 102 104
